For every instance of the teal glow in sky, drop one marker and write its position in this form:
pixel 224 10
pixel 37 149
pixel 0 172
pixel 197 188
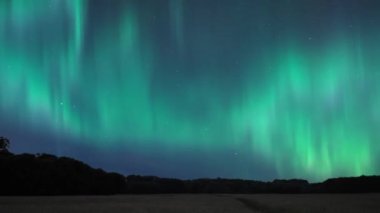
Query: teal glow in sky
pixel 195 88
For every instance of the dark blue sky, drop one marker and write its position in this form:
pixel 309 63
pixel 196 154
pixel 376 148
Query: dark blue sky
pixel 195 88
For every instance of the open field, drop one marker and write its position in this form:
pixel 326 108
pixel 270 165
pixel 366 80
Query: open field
pixel 193 203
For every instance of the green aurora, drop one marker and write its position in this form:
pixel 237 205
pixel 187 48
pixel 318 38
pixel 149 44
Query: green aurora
pixel 293 83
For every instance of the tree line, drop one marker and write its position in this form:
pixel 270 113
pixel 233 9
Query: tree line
pixel 45 174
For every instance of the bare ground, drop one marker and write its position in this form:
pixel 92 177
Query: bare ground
pixel 266 203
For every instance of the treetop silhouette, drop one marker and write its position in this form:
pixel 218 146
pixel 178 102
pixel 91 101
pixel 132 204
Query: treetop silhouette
pixel 4 144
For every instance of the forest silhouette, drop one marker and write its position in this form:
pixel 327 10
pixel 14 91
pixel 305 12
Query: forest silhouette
pixel 45 174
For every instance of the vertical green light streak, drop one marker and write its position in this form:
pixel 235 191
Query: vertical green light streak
pixel 307 121
pixel 176 12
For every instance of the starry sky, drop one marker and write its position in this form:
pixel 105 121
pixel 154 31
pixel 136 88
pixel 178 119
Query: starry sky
pixel 257 89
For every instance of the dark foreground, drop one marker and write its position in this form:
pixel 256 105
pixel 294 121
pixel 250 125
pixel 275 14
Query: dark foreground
pixel 44 174
pixel 183 203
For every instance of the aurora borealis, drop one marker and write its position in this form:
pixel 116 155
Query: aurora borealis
pixel 257 89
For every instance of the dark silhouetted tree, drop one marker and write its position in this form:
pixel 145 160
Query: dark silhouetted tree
pixel 4 144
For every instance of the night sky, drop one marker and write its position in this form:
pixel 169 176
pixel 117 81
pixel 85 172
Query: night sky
pixel 257 89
